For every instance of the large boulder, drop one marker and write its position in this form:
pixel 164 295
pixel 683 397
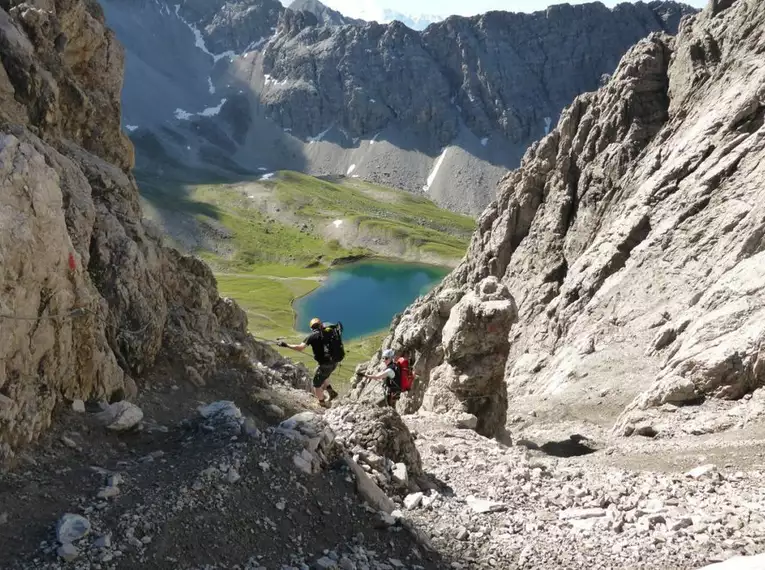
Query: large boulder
pixel 378 438
pixel 475 345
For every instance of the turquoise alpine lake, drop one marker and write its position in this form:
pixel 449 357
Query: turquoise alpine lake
pixel 366 296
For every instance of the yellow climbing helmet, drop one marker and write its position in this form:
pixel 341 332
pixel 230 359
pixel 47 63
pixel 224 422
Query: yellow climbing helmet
pixel 315 323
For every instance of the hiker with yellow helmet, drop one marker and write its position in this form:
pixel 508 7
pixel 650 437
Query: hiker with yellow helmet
pixel 326 342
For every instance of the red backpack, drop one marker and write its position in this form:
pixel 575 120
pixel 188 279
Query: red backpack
pixel 405 374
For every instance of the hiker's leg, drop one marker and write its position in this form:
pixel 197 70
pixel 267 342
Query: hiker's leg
pixel 328 370
pixel 318 383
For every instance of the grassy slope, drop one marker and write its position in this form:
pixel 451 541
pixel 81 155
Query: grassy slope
pixel 412 219
pixel 265 264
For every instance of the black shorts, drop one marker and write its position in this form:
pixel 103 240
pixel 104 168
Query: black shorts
pixel 323 371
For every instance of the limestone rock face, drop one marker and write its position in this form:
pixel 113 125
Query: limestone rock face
pixel 631 239
pixel 89 297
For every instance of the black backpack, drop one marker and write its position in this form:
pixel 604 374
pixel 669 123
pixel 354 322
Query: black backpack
pixel 333 338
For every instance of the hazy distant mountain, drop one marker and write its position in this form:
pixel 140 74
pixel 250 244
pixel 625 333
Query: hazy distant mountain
pixel 414 21
pixel 324 14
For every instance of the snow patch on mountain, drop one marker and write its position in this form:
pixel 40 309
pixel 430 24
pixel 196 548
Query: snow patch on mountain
pixel 434 172
pixel 199 41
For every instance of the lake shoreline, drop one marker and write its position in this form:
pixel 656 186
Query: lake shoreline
pixel 394 282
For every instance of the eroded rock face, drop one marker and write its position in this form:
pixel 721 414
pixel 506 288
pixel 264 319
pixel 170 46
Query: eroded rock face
pixel 631 238
pixel 89 297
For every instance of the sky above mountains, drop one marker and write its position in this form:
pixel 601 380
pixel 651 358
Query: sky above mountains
pixel 375 9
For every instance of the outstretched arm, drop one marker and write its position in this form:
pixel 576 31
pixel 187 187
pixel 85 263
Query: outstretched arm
pixel 375 376
pixel 299 347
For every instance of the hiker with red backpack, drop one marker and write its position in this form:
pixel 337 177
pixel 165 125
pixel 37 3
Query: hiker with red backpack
pixel 397 377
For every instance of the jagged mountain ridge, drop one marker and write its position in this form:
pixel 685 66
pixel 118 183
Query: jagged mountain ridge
pixel 447 110
pixel 618 278
pixel 324 14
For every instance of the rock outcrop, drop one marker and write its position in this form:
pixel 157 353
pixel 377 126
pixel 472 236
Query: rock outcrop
pixel 378 433
pixel 90 299
pixel 631 238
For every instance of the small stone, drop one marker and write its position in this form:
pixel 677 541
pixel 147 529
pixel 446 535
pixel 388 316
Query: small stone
pixel 103 542
pixel 483 506
pixel 71 528
pixel 276 410
pixel 233 476
pixel 413 501
pixel 701 471
pixel 78 406
pixel 581 514
pixel 387 520
pixel 654 506
pixel 346 564
pixel 68 552
pixel 281 505
pixel 462 533
pixel 108 492
pixel 221 410
pixel 264 466
pixel 646 430
pixel 438 448
pixel 250 429
pixel 3 518
pixel 400 474
pixel 302 464
pixel 69 442
pixel 430 500
pixel 120 416
pixel 396 563
pixel 680 523
pixel 702 538
pixel 464 420
pixel 195 377
pixel 326 563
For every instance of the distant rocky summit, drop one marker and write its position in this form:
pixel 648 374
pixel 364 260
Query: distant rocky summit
pixel 324 14
pixel 235 86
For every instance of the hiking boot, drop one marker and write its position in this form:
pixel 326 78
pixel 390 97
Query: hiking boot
pixel 332 393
